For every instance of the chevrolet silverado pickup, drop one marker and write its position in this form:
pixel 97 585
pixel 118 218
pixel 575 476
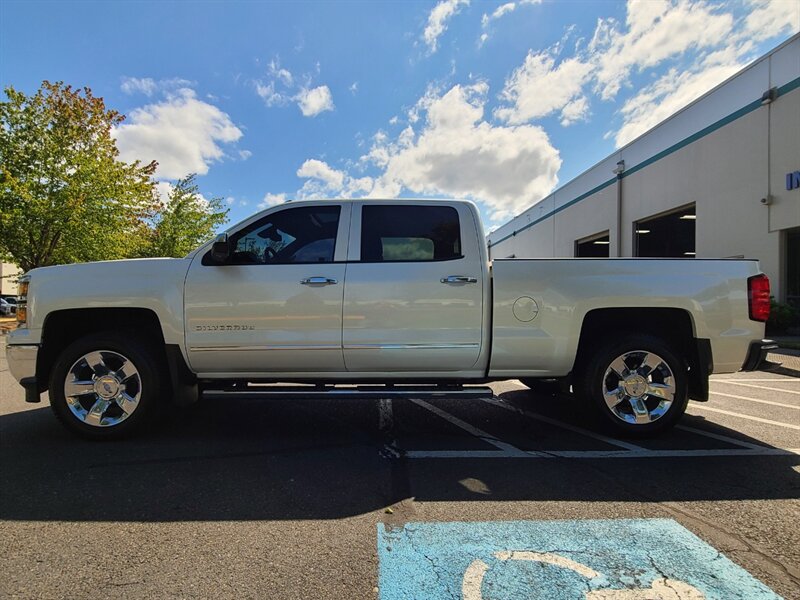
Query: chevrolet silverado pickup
pixel 382 298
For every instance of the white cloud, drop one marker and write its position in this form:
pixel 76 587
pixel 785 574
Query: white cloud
pixel 164 189
pixel 281 88
pixel 353 88
pixel 357 186
pixel 230 200
pixel 700 43
pixel 315 101
pixel 149 86
pixel 772 17
pixel 317 169
pixel 279 73
pixel 576 110
pixel 449 148
pixel 499 12
pixel 656 30
pixel 271 200
pixel 458 153
pixel 728 54
pixel 133 85
pixel 667 95
pixel 323 181
pixel 245 154
pixel 184 134
pixel 538 88
pixel 271 97
pixel 437 21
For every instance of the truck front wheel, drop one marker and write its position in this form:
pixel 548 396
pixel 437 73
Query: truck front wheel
pixel 637 385
pixel 105 385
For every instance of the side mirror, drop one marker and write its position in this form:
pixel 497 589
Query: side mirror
pixel 220 249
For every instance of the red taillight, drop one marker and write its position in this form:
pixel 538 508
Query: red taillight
pixel 758 297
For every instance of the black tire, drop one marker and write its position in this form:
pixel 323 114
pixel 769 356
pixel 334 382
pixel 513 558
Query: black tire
pixel 148 384
pixel 544 387
pixel 597 376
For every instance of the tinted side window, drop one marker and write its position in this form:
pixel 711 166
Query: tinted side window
pixel 293 235
pixel 409 233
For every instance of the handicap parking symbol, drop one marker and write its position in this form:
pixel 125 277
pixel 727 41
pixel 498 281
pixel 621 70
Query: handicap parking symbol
pixel 619 559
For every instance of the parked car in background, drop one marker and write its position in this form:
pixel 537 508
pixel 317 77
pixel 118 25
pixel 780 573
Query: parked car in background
pixel 7 307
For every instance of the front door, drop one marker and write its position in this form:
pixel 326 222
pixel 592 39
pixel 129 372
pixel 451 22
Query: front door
pixel 414 293
pixel 276 304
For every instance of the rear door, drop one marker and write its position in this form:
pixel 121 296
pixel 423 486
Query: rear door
pixel 414 289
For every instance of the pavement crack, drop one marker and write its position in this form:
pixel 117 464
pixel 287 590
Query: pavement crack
pixel 700 523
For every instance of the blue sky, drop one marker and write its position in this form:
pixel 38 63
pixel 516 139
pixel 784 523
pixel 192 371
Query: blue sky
pixel 500 102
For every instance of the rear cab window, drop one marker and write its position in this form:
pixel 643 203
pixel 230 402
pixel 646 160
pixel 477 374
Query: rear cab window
pixel 410 233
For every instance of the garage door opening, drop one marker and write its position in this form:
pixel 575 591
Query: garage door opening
pixel 792 249
pixel 667 236
pixel 595 246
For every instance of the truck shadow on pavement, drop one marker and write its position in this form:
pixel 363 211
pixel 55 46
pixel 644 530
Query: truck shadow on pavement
pixel 272 460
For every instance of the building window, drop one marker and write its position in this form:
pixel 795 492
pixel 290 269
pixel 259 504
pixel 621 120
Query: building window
pixel 671 235
pixel 595 246
pixel 792 249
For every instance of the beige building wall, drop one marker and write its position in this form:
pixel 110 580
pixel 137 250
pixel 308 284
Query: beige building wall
pixel 583 219
pixel 8 279
pixel 784 132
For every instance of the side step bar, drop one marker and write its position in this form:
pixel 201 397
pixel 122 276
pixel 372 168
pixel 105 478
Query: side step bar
pixel 316 392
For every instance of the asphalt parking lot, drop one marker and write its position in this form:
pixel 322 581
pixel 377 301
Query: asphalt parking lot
pixel 279 499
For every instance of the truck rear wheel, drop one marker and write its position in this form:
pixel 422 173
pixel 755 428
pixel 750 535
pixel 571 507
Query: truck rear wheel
pixel 637 385
pixel 106 385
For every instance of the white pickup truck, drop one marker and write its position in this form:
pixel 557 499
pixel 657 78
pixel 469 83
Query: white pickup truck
pixel 397 296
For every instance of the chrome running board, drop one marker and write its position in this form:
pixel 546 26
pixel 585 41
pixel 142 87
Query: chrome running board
pixel 316 392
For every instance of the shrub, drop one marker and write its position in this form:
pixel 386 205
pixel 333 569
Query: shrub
pixel 781 317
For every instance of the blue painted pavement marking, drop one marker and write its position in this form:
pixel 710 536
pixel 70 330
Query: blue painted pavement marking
pixel 624 559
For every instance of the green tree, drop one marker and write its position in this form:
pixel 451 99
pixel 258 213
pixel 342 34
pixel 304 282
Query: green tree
pixel 64 194
pixel 185 221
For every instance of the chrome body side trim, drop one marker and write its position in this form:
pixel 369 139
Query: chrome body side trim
pixel 348 347
pixel 408 346
pixel 358 391
pixel 262 348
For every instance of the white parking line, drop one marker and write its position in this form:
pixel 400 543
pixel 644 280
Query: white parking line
pixel 785 379
pixel 721 438
pixel 595 454
pixel 761 387
pixel 572 428
pixel 759 401
pixel 508 449
pixel 748 417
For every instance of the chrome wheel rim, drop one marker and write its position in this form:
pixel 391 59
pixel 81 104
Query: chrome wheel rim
pixel 639 387
pixel 102 388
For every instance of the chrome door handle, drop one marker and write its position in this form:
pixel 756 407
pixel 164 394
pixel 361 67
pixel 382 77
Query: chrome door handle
pixel 459 279
pixel 318 281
